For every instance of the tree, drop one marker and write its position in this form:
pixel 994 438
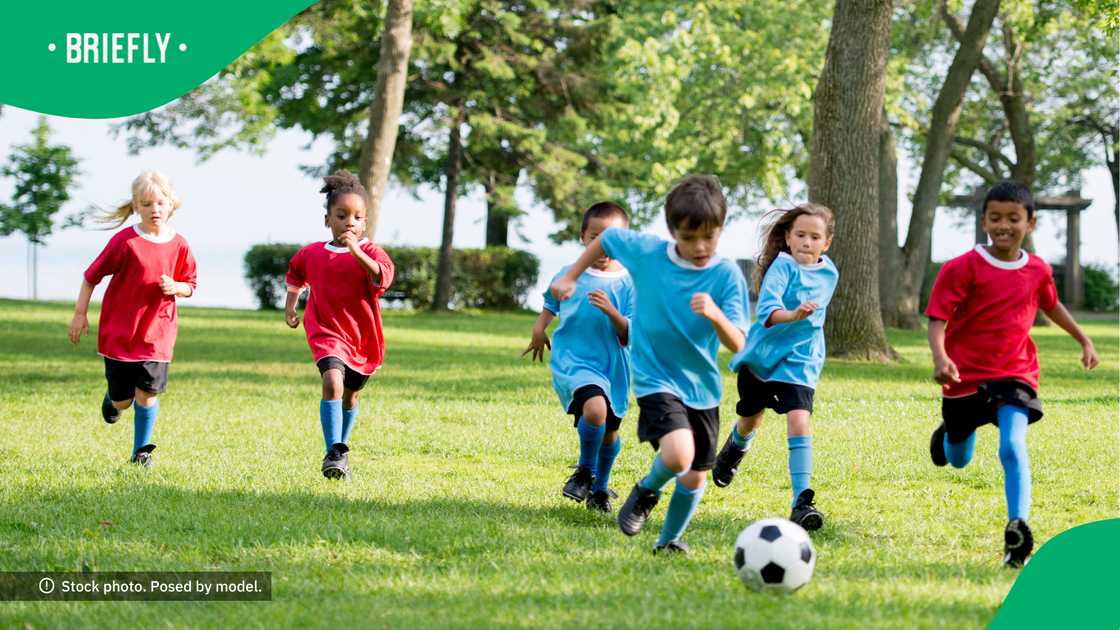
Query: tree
pixel 844 169
pixel 44 174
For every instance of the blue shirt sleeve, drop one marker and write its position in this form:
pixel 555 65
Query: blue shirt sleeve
pixel 773 287
pixel 628 246
pixel 735 301
pixel 550 302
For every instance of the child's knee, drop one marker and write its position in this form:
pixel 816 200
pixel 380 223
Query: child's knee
pixel 1011 453
pixel 332 384
pixel 595 410
pixel 145 399
pixel 350 398
pixel 694 479
pixel 797 422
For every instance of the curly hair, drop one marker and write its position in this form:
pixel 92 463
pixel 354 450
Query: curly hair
pixel 341 183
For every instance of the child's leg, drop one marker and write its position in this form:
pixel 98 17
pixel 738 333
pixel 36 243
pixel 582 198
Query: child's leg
pixel 686 496
pixel 1013 456
pixel 676 452
pixel 144 421
pixel 743 430
pixel 800 441
pixel 960 454
pixel 591 428
pixel 330 407
pixel 608 451
pixel 349 412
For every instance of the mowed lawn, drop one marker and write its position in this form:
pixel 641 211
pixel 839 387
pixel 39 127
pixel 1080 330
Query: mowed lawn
pixel 454 516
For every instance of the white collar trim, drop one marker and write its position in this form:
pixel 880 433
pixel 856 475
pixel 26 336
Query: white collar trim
pixel 166 238
pixel 688 264
pixel 820 264
pixel 1024 258
pixel 339 250
pixel 608 274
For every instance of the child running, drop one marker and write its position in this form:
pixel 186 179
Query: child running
pixel 591 358
pixel 689 301
pixel 782 362
pixel 151 265
pixel 980 315
pixel 346 276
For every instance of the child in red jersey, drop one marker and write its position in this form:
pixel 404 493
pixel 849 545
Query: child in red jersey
pixel 980 315
pixel 151 265
pixel 346 276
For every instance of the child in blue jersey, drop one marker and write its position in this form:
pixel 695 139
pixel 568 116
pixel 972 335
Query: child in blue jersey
pixel 782 361
pixel 591 359
pixel 689 301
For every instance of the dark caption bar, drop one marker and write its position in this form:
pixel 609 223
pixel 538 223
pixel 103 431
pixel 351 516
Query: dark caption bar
pixel 135 586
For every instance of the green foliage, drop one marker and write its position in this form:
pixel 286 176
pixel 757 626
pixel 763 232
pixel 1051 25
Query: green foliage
pixel 44 173
pixel 490 278
pixel 1100 289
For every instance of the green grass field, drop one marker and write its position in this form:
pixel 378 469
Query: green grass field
pixel 454 516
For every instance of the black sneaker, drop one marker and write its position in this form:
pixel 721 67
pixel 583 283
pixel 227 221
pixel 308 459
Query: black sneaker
pixel 143 456
pixel 634 512
pixel 109 412
pixel 673 547
pixel 579 484
pixel 601 500
pixel 336 464
pixel 804 513
pixel 1017 543
pixel 727 463
pixel 937 446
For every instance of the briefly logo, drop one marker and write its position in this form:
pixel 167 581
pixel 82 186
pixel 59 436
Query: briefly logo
pixel 117 48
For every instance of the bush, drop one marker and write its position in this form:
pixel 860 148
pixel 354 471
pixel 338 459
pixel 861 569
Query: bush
pixel 495 277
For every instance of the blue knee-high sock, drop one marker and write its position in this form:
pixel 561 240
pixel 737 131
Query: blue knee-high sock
pixel 658 475
pixel 800 462
pixel 330 416
pixel 742 442
pixel 590 438
pixel 959 454
pixel 143 423
pixel 607 454
pixel 348 418
pixel 1013 456
pixel 681 508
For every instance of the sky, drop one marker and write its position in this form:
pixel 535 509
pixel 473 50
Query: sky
pixel 236 200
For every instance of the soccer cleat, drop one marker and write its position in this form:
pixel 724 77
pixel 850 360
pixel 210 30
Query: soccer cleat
pixel 673 547
pixel 937 446
pixel 804 513
pixel 601 500
pixel 727 463
pixel 336 464
pixel 634 512
pixel 579 484
pixel 143 456
pixel 109 412
pixel 1017 543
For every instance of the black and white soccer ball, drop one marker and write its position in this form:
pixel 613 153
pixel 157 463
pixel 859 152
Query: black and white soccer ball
pixel 774 554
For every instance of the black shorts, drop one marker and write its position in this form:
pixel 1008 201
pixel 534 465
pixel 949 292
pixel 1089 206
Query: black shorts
pixel 964 415
pixel 664 413
pixel 586 393
pixel 125 377
pixel 756 395
pixel 351 379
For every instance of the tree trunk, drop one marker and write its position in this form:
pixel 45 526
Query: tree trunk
pixel 844 169
pixel 497 220
pixel 889 257
pixel 385 110
pixel 939 144
pixel 442 299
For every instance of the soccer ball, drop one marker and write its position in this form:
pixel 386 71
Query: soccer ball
pixel 774 555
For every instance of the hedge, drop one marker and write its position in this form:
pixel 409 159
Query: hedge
pixel 494 278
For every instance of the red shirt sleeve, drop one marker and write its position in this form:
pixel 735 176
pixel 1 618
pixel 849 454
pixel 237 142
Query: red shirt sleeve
pixel 382 259
pixel 297 272
pixel 1047 291
pixel 107 263
pixel 953 284
pixel 186 270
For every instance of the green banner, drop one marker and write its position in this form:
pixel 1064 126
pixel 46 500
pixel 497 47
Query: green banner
pixel 1072 582
pixel 88 59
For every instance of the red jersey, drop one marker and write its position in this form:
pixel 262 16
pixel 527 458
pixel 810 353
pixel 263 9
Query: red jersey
pixel 343 318
pixel 989 306
pixel 138 322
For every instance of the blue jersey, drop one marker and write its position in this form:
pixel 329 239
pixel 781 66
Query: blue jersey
pixel 585 346
pixel 675 349
pixel 791 352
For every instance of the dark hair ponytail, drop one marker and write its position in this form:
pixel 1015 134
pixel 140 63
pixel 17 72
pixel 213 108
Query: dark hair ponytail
pixel 341 183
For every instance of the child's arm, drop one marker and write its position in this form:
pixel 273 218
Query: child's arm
pixel 564 286
pixel 539 341
pixel 79 325
pixel 291 317
pixel 731 337
pixel 782 316
pixel 944 370
pixel 1060 316
pixel 371 266
pixel 599 300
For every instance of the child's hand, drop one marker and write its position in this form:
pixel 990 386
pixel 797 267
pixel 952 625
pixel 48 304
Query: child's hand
pixel 537 344
pixel 598 298
pixel 1089 356
pixel 167 285
pixel 348 240
pixel 703 305
pixel 79 325
pixel 804 311
pixel 945 372
pixel 291 318
pixel 563 289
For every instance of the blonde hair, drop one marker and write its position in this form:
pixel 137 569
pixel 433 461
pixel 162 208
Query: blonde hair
pixel 146 182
